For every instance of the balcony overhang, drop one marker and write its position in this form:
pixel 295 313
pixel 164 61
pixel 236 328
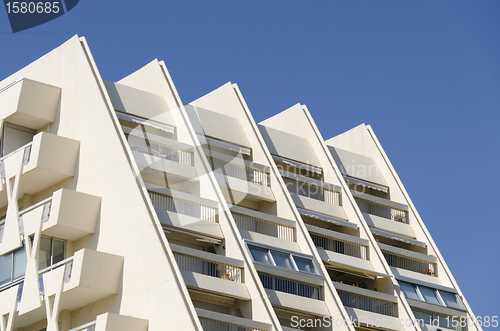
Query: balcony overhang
pixel 354 270
pixel 111 322
pixel 29 103
pixel 68 214
pixel 47 160
pixel 88 277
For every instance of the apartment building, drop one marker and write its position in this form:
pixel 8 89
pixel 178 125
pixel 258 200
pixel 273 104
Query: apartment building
pixel 125 208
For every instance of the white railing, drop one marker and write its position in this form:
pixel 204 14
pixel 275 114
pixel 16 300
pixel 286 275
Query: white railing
pixel 209 267
pixel 86 327
pixel 161 150
pixel 339 245
pixel 313 191
pixel 240 171
pixel 443 321
pixel 290 286
pixel 358 301
pixel 377 209
pixel 410 263
pixel 214 325
pixel 182 206
pixel 250 223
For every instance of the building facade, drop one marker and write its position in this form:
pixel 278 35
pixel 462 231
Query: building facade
pixel 126 209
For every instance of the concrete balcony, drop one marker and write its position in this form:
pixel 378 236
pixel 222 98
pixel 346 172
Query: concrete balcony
pixel 409 260
pixel 112 322
pixel 314 195
pixel 30 104
pixel 86 277
pixel 47 160
pixel 384 214
pixel 159 156
pixel 68 214
pixel 186 212
pixel 212 321
pixel 240 179
pixel 211 273
pixel 369 308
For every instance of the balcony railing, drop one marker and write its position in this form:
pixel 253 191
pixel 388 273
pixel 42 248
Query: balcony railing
pixel 338 245
pixel 264 226
pixel 311 188
pixel 381 210
pixel 208 264
pixel 290 286
pixel 239 168
pixel 432 318
pixel 214 325
pixel 183 206
pixel 367 303
pixel 212 321
pixel 164 150
pixel 409 260
pixel 86 327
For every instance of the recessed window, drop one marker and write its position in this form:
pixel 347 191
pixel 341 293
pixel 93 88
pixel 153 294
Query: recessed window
pixel 12 265
pixel 51 252
pixel 282 259
pixel 431 295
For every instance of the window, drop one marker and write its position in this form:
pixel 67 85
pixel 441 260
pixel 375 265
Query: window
pixel 431 295
pixel 51 252
pixel 12 265
pixel 282 259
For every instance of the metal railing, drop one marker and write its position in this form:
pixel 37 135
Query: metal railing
pixel 161 150
pixel 339 245
pixel 181 206
pixel 214 325
pixel 313 191
pixel 86 327
pixel 381 210
pixel 290 286
pixel 373 305
pixel 208 267
pixel 249 223
pixel 443 321
pixel 410 263
pixel 240 171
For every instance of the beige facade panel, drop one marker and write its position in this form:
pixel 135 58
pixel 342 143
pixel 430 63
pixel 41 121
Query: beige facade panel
pixel 357 166
pixel 29 103
pixel 289 146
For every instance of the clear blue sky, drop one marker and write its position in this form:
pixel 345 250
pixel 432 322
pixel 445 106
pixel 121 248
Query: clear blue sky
pixel 425 74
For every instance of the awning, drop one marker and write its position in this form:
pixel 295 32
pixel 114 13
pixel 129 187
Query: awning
pixel 290 147
pixel 397 237
pixel 364 183
pixel 198 237
pixel 225 145
pixel 326 218
pixel 297 164
pixel 349 269
pixel 153 124
pixel 358 166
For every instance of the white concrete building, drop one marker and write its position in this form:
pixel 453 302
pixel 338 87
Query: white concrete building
pixel 124 208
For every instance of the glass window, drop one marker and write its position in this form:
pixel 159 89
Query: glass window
pixel 44 254
pixel 260 255
pixel 20 262
pixel 57 251
pixel 451 300
pixel 409 290
pixel 282 260
pixel 306 265
pixel 429 295
pixel 5 268
pixel 426 317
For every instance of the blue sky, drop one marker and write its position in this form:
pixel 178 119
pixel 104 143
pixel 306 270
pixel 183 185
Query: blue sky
pixel 424 74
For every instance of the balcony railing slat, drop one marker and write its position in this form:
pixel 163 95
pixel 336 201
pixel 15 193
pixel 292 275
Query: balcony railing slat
pixel 250 223
pixel 161 150
pixel 380 210
pixel 208 267
pixel 339 245
pixel 373 305
pixel 182 206
pixel 290 286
